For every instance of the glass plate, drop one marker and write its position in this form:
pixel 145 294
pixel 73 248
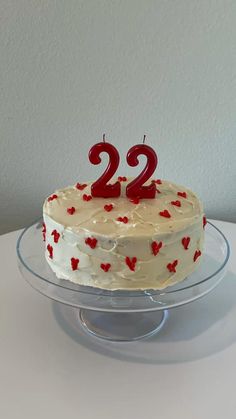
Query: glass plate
pixel 121 315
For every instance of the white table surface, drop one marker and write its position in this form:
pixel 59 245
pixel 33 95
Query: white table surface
pixel 48 370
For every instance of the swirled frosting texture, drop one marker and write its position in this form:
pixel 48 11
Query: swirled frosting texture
pixel 120 244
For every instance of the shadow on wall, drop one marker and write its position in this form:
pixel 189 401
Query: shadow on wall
pixel 13 217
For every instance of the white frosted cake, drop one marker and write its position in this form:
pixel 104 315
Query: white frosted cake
pixel 117 243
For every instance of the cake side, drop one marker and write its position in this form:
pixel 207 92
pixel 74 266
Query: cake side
pixel 121 244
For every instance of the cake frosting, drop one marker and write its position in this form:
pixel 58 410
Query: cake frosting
pixel 117 243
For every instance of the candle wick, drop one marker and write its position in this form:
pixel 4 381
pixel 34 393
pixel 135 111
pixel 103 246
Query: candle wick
pixel 104 138
pixel 144 139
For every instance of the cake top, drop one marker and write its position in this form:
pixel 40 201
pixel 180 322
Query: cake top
pixel 174 208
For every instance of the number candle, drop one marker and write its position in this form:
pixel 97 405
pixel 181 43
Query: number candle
pixel 135 188
pixel 100 189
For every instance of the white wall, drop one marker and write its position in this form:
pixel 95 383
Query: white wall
pixel 71 70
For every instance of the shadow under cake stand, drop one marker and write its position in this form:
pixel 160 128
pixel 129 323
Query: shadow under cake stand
pixel 122 315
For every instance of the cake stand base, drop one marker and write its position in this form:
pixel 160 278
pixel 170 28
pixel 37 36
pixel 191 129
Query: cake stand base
pixel 122 327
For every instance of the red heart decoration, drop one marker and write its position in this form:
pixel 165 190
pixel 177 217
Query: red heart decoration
pixel 52 197
pixel 196 255
pixel 204 221
pixel 44 231
pixel 55 235
pixel 131 262
pixel 156 247
pixel 123 219
pixel 108 207
pixel 105 266
pixel 50 251
pixel 71 210
pixel 185 242
pixel 80 186
pixel 74 264
pixel 171 266
pixel 91 241
pixel 165 214
pixel 87 197
pixel 176 203
pixel 122 179
pixel 182 194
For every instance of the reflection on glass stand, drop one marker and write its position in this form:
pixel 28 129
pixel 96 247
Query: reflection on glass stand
pixel 122 315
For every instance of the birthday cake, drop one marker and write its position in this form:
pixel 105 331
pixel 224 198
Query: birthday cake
pixel 121 243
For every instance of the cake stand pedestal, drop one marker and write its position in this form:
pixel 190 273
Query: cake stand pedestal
pixel 122 326
pixel 121 315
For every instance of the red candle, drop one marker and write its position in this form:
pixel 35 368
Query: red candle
pixel 135 188
pixel 100 188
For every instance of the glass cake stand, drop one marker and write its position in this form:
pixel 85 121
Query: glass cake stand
pixel 121 315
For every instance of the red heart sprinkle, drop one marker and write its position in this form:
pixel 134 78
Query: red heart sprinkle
pixel 71 210
pixel 122 179
pixel 105 266
pixel 204 221
pixel 91 241
pixel 50 251
pixel 176 203
pixel 87 197
pixel 183 194
pixel 171 266
pixel 123 219
pixel 74 263
pixel 135 201
pixel 156 247
pixel 108 207
pixel 52 197
pixel 44 231
pixel 185 242
pixel 196 255
pixel 131 263
pixel 81 186
pixel 55 235
pixel 157 181
pixel 165 214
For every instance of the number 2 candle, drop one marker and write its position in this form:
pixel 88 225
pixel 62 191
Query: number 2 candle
pixel 100 188
pixel 135 188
